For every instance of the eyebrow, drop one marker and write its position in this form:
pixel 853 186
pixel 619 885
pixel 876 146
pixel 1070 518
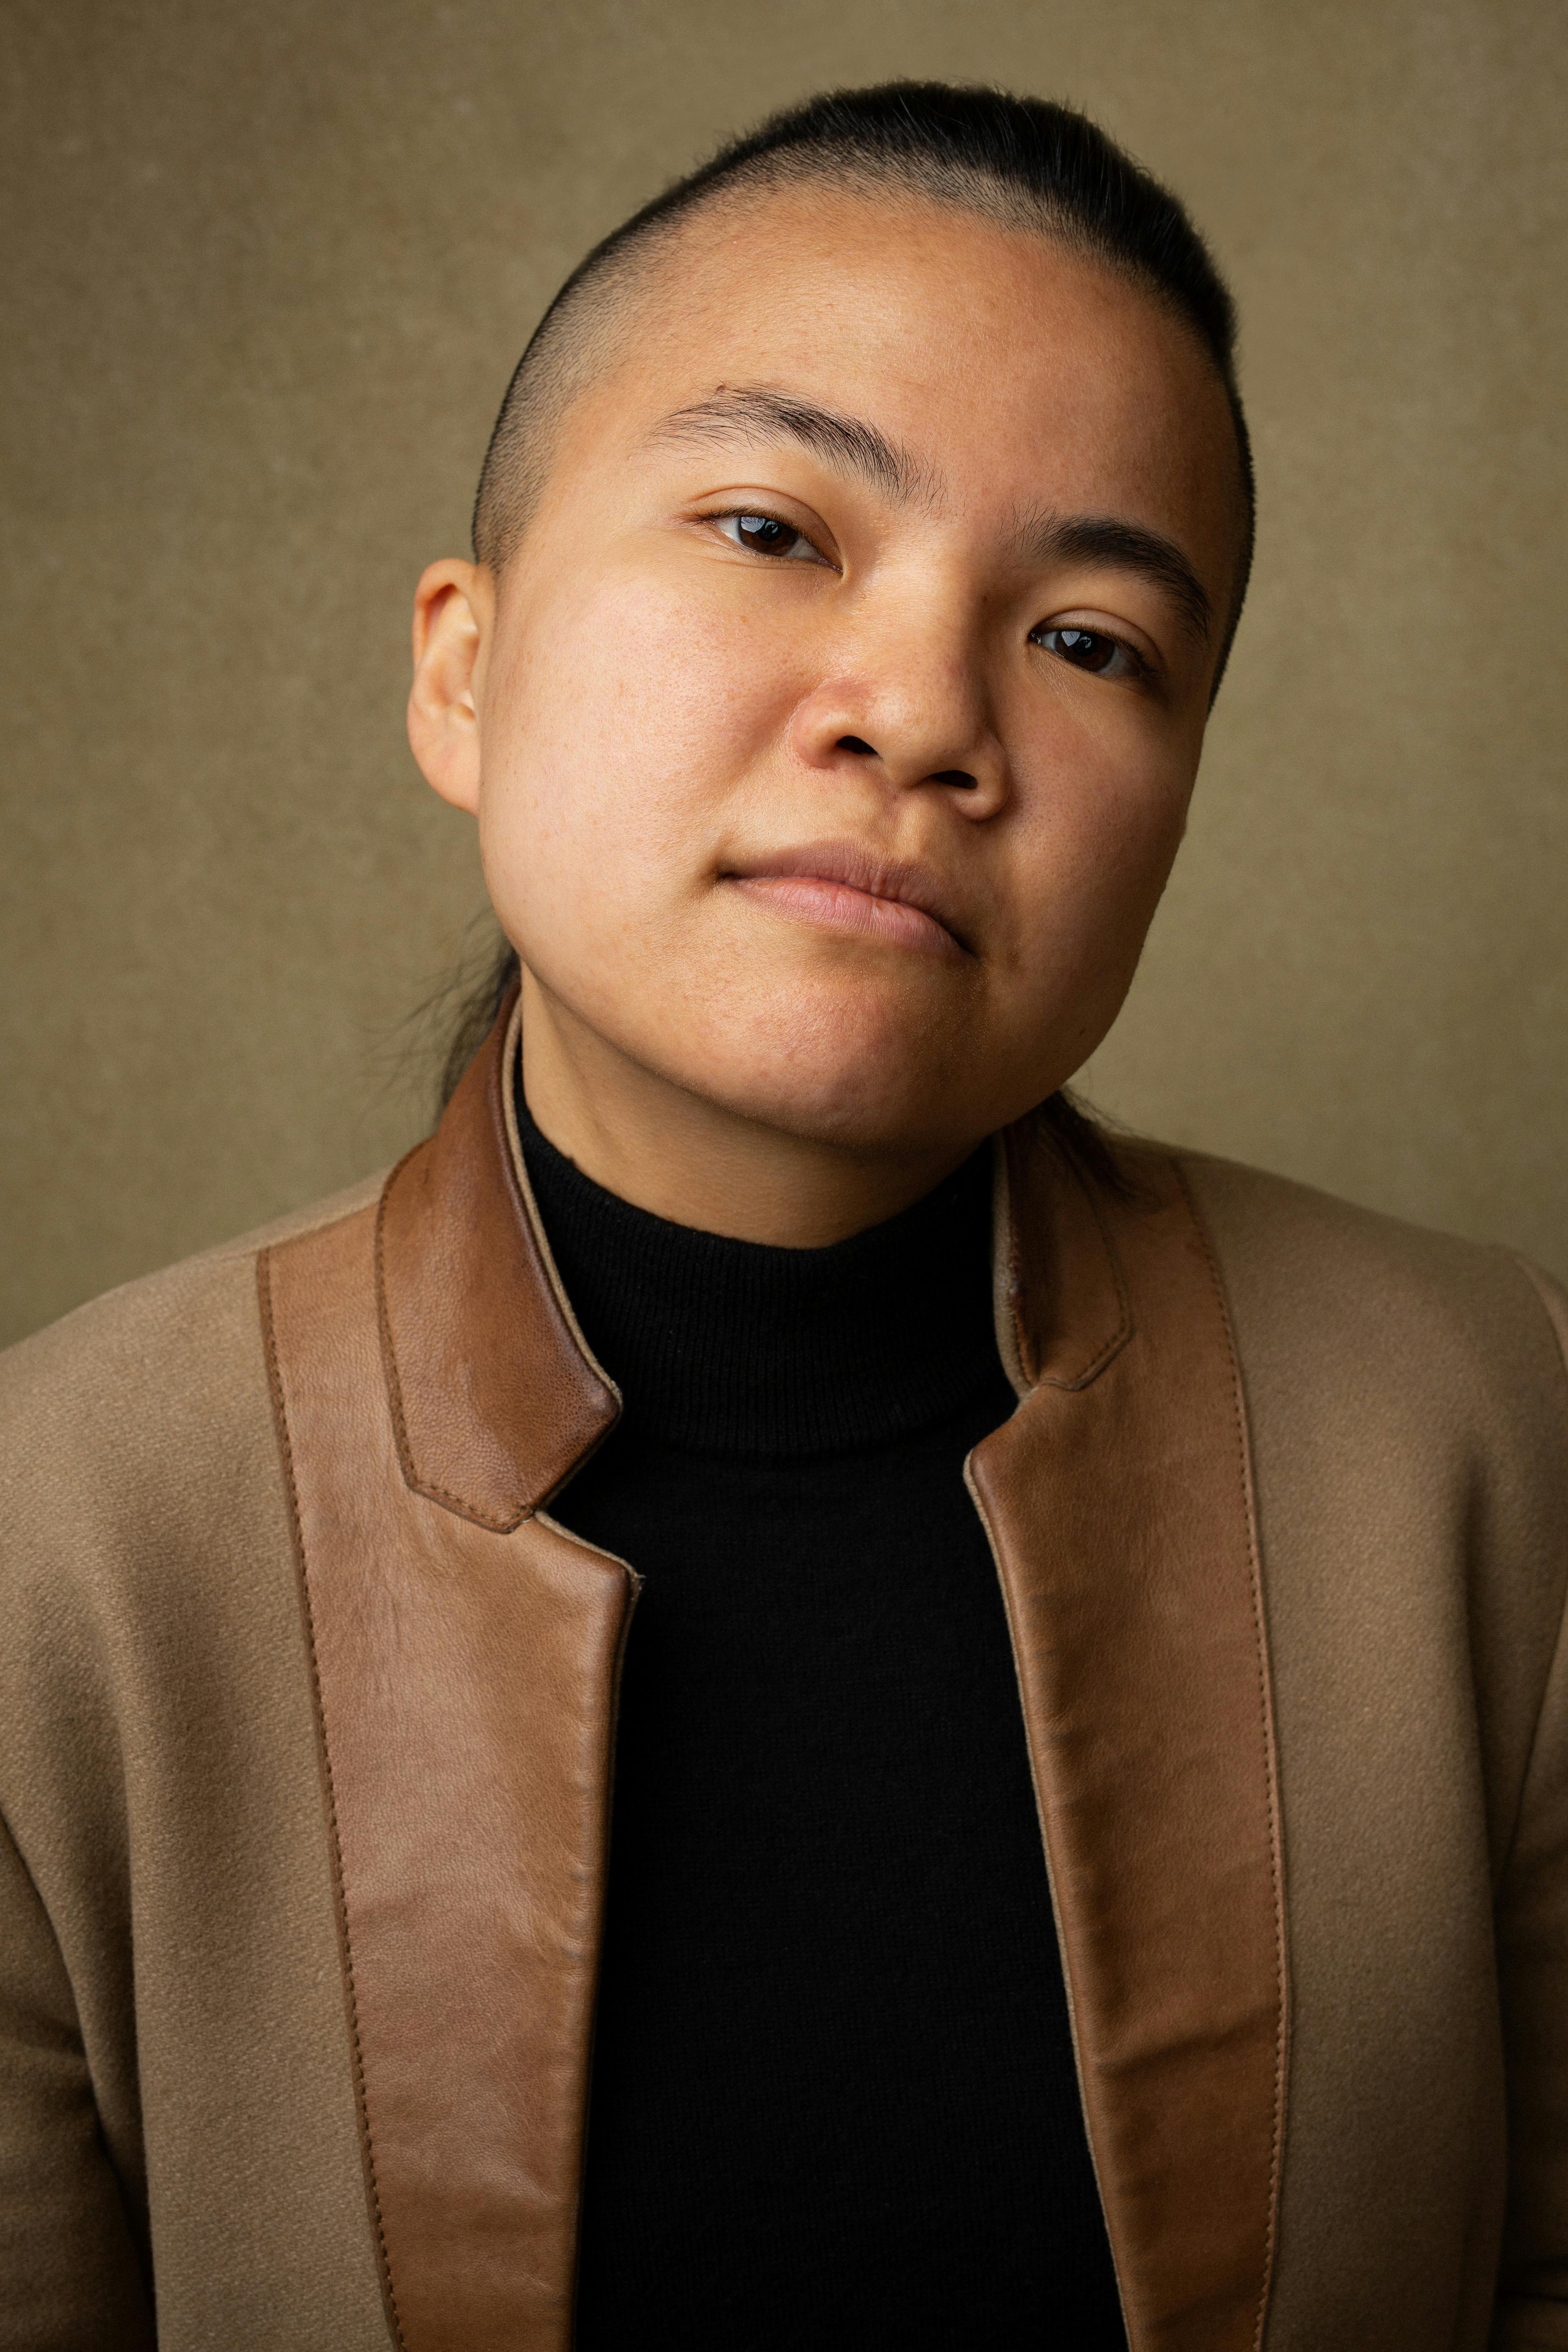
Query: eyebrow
pixel 850 445
pixel 1123 547
pixel 747 414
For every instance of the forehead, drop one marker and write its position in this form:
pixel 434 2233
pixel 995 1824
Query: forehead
pixel 1015 371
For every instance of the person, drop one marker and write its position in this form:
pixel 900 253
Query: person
pixel 1068 1846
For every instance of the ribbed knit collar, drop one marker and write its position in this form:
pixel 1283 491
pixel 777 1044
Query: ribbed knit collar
pixel 733 1347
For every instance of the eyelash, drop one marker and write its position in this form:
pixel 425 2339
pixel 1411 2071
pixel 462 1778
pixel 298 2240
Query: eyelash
pixel 1141 669
pixel 762 514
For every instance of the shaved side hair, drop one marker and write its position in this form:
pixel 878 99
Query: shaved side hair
pixel 1025 163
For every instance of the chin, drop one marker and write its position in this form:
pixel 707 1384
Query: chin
pixel 865 1086
pixel 857 1119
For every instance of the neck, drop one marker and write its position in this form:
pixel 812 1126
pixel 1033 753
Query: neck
pixel 696 1162
pixel 727 1347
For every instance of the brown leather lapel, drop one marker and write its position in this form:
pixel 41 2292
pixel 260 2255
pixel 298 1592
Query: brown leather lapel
pixel 430 1392
pixel 495 1395
pixel 1118 1500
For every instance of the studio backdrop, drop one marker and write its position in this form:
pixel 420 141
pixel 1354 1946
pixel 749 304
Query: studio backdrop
pixel 268 269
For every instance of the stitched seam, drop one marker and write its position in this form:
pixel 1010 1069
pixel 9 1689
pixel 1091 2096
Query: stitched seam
pixel 450 1500
pixel 1123 1328
pixel 504 1109
pixel 634 1587
pixel 384 1326
pixel 340 1893
pixel 1068 1960
pixel 1270 1793
pixel 1022 1346
pixel 465 1509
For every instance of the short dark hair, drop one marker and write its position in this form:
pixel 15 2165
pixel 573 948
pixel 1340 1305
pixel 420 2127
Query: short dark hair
pixel 1026 162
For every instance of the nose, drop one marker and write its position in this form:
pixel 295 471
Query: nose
pixel 914 711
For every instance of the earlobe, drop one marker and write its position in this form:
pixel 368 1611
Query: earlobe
pixel 454 606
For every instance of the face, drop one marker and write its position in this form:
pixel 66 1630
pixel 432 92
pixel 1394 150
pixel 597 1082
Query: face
pixel 832 729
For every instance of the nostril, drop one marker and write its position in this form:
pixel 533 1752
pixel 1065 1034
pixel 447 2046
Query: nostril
pixel 854 744
pixel 960 777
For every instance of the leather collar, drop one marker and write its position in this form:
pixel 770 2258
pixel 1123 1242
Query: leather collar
pixel 496 1395
pixel 466 1653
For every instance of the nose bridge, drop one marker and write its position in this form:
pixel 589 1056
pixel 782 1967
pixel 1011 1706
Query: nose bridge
pixel 916 658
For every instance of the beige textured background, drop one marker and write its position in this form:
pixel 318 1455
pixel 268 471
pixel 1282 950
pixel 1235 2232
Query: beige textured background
pixel 267 268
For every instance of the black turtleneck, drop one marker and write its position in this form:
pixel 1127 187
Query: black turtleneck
pixel 833 2101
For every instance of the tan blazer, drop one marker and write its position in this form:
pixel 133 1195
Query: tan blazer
pixel 307 1712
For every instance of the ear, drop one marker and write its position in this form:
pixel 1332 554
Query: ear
pixel 454 610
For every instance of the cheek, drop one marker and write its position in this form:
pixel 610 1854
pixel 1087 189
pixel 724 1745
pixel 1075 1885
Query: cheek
pixel 620 728
pixel 1101 816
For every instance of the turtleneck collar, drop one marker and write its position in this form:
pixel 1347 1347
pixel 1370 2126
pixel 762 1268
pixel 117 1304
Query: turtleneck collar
pixel 733 1347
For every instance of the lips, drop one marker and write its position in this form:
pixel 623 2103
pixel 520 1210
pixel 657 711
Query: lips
pixel 844 885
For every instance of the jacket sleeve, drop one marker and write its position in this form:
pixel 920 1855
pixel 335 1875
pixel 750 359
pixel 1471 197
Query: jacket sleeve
pixel 69 2279
pixel 1532 1957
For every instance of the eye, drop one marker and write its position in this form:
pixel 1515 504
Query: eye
pixel 1091 649
pixel 763 534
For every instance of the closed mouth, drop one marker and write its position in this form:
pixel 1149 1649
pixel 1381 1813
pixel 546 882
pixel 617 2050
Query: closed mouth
pixel 844 886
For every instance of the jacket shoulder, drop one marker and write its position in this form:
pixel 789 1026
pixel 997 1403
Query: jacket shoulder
pixel 145 1415
pixel 1351 1283
pixel 162 1324
pixel 1407 1397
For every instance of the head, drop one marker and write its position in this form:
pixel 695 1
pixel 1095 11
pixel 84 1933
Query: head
pixel 856 560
